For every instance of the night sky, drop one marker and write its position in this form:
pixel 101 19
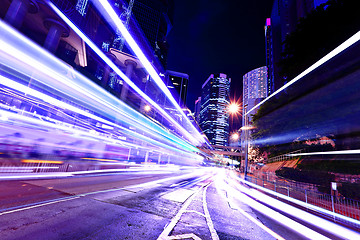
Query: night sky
pixel 212 36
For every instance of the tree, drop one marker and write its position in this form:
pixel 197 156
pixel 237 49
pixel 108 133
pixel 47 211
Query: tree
pixel 321 31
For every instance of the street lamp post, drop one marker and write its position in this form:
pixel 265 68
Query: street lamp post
pixel 246 142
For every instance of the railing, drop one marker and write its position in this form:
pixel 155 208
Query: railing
pixel 283 157
pixel 308 193
pixel 46 167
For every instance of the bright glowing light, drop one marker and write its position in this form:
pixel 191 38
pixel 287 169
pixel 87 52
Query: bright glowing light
pixel 301 214
pixel 355 151
pixel 27 56
pixel 147 108
pixel 40 161
pixel 235 136
pixel 99 159
pixel 234 108
pixel 247 128
pixel 105 7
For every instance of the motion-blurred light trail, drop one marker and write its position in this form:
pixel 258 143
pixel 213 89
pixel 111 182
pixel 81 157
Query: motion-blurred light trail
pixel 57 80
pixel 24 56
pixel 305 216
pixel 342 152
pixel 351 41
pixel 295 226
pixel 189 137
pixel 114 18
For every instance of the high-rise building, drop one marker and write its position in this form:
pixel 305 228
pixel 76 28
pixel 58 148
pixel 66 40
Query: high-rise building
pixel 179 82
pixel 269 57
pixel 285 16
pixel 214 116
pixel 254 89
pixel 155 18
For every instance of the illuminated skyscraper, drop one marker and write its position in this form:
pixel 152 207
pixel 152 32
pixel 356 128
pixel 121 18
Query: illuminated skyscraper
pixel 214 116
pixel 254 89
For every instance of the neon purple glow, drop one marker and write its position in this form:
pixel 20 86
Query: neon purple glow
pixel 113 18
pixel 311 218
pixel 24 57
pixel 238 193
pixel 241 192
pixel 268 22
pixel 189 137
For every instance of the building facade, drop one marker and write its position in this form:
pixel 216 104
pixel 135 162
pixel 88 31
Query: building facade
pixel 155 19
pixel 285 15
pixel 254 89
pixel 269 57
pixel 214 115
pixel 178 84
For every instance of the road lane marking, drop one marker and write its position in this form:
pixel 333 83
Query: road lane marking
pixel 184 236
pixel 38 205
pixel 43 203
pixel 165 233
pixel 179 195
pixel 209 222
pixel 193 211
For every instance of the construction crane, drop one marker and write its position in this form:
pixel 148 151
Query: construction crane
pixel 125 18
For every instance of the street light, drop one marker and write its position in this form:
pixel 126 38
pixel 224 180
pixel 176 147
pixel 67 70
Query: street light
pixel 246 142
pixel 147 108
pixel 235 136
pixel 233 108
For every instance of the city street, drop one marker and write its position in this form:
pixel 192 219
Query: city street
pixel 168 204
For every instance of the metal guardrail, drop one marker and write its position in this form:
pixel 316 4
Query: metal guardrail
pixel 45 167
pixel 307 193
pixel 283 157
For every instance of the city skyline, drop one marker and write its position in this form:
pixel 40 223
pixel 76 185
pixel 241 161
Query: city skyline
pixel 217 37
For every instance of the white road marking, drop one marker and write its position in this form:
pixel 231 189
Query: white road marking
pixel 209 222
pixel 179 195
pixel 184 236
pixel 193 211
pixel 35 206
pixel 165 234
pixel 91 193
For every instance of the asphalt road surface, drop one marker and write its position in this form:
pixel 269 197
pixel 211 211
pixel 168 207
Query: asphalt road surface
pixel 182 204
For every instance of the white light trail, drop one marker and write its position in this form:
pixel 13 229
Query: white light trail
pixel 334 228
pixel 101 54
pixel 138 52
pixel 343 152
pixel 352 40
pixel 293 225
pixel 20 50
